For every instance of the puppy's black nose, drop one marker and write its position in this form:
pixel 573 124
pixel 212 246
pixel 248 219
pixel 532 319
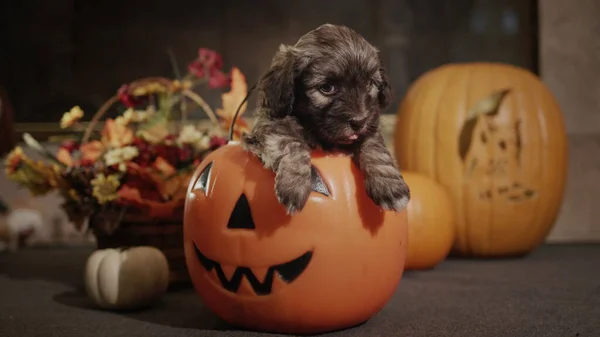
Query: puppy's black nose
pixel 357 123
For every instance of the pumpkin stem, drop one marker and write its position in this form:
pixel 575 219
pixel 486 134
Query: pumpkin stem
pixel 232 126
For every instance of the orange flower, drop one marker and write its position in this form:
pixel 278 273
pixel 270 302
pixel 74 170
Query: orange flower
pixel 115 134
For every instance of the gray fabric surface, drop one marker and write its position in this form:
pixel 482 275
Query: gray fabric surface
pixel 553 292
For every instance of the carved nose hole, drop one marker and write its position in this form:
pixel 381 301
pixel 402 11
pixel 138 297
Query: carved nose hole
pixel 241 217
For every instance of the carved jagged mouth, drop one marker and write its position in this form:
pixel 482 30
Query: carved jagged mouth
pixel 287 272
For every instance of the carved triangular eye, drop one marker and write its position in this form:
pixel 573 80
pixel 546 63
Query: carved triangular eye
pixel 318 185
pixel 204 179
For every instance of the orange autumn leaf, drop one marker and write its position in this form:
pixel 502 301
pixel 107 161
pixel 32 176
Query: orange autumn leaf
pixel 172 187
pixel 115 134
pixel 231 100
pixel 91 151
pixel 130 195
pixel 163 166
pixel 64 157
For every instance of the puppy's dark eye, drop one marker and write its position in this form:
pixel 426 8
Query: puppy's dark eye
pixel 327 88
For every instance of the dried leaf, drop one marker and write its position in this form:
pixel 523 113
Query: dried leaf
pixel 130 195
pixel 91 151
pixel 115 134
pixel 64 157
pixel 232 99
pixel 163 166
pixel 174 186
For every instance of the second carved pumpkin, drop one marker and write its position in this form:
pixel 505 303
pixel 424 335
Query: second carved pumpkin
pixel 494 136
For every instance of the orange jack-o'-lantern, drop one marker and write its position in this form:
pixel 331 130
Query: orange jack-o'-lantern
pixel 330 266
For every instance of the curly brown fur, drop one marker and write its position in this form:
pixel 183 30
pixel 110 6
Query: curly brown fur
pixel 327 92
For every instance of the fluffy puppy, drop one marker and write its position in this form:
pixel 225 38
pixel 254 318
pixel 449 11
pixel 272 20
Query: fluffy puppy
pixel 327 92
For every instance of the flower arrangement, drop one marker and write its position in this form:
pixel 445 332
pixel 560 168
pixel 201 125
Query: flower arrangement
pixel 142 159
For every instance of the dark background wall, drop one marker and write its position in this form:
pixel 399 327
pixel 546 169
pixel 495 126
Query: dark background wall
pixel 55 54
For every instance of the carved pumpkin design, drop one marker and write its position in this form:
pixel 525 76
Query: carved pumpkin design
pixel 499 147
pixel 490 148
pixel 330 266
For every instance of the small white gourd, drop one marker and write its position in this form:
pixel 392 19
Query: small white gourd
pixel 126 278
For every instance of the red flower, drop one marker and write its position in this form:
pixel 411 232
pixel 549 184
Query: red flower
pixel 125 96
pixel 216 142
pixel 196 68
pixel 185 153
pixel 142 185
pixel 85 162
pixel 210 58
pixel 218 79
pixel 70 145
pixel 209 63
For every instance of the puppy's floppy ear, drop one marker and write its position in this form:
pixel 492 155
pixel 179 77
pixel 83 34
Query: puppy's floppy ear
pixel 277 84
pixel 385 95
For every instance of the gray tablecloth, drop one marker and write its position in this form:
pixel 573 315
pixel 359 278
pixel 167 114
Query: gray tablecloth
pixel 553 292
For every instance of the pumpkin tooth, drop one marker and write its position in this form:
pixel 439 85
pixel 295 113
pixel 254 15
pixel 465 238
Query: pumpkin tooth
pixel 213 276
pixel 246 288
pixel 260 273
pixel 228 271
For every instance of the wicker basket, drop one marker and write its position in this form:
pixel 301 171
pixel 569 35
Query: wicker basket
pixel 160 225
pixel 164 233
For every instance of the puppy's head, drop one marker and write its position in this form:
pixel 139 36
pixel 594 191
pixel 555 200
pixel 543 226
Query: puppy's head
pixel 332 80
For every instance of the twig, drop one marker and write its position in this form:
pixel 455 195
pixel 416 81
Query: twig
pixel 232 126
pixel 200 101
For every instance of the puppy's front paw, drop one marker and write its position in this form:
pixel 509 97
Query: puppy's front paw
pixel 390 193
pixel 293 189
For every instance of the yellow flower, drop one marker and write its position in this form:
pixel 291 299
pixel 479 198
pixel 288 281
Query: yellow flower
pixel 204 143
pixel 149 88
pixel 137 116
pixel 71 117
pixel 181 85
pixel 73 195
pixel 122 120
pixel 189 135
pixel 155 133
pixel 120 155
pixel 37 176
pixel 105 188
